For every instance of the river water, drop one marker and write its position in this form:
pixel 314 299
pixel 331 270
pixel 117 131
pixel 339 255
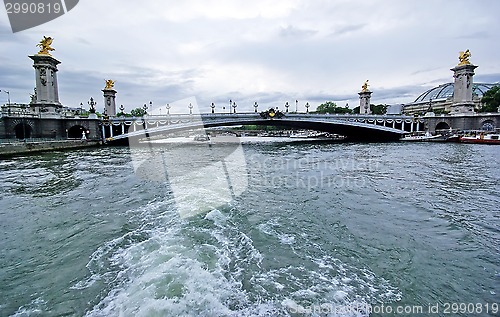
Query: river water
pixel 254 229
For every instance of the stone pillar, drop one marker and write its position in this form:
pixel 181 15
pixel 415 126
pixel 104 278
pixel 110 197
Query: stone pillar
pixel 47 91
pixel 109 101
pixel 462 94
pixel 364 102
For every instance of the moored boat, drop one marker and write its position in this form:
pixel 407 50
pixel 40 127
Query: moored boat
pixel 481 138
pixel 427 137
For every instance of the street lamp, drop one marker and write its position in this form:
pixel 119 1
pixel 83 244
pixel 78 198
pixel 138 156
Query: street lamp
pixel 8 98
pixel 234 106
pixel 168 109
pixel 81 108
pixel 230 103
pixel 24 111
pixel 122 109
pixel 255 105
pixel 296 105
pixel 286 106
pixel 145 108
pixel 307 107
pixel 151 107
pixel 213 107
pixel 190 108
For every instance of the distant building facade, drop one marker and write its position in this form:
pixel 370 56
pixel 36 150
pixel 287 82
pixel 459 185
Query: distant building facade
pixel 440 99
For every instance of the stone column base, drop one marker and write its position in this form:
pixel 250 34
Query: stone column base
pixel 462 108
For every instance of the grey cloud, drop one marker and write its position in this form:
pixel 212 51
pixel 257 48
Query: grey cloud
pixel 344 29
pixel 294 32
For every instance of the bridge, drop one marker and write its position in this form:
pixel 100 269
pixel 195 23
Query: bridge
pixel 355 127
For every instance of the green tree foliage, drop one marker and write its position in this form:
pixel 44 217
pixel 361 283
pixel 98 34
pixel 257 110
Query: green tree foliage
pixel 379 109
pixel 491 100
pixel 376 109
pixel 331 107
pixel 138 112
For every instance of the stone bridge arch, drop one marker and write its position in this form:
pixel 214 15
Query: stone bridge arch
pixel 76 132
pixel 442 125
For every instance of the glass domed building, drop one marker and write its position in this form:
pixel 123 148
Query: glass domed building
pixel 440 98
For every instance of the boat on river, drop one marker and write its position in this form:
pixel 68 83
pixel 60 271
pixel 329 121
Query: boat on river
pixel 481 138
pixel 427 137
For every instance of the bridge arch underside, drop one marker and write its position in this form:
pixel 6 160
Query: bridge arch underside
pixel 352 130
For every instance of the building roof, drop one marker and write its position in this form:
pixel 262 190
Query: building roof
pixel 445 91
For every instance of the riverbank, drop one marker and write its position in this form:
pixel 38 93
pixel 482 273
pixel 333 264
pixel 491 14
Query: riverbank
pixel 18 148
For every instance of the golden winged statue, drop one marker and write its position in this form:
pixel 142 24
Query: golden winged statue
pixel 109 84
pixel 464 58
pixel 364 88
pixel 44 45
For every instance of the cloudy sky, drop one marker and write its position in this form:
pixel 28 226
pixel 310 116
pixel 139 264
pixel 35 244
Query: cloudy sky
pixel 260 50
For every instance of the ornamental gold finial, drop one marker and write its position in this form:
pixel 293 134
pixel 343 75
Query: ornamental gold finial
pixel 44 45
pixel 364 88
pixel 464 58
pixel 109 84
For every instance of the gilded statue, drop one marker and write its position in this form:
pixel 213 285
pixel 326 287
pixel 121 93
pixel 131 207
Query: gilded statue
pixel 364 88
pixel 44 45
pixel 109 84
pixel 464 58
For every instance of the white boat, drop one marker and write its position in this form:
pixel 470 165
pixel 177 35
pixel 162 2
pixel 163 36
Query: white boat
pixel 427 137
pixel 201 137
pixel 307 135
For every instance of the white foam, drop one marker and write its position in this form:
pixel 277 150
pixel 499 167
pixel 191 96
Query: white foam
pixel 209 266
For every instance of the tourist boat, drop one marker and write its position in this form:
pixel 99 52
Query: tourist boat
pixel 201 138
pixel 481 138
pixel 307 135
pixel 427 137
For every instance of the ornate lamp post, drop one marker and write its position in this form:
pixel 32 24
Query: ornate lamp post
pixel 213 107
pixel 190 108
pixel 255 105
pixel 151 107
pixel 8 98
pixel 296 106
pixel 230 104
pixel 234 106
pixel 122 109
pixel 307 107
pixel 24 112
pixel 81 108
pixel 286 106
pixel 168 109
pixel 145 108
pixel 92 105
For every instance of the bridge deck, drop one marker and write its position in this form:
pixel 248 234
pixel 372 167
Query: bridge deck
pixel 354 126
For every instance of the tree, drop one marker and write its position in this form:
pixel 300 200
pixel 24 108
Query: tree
pixel 376 109
pixel 379 109
pixel 491 100
pixel 331 107
pixel 138 112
